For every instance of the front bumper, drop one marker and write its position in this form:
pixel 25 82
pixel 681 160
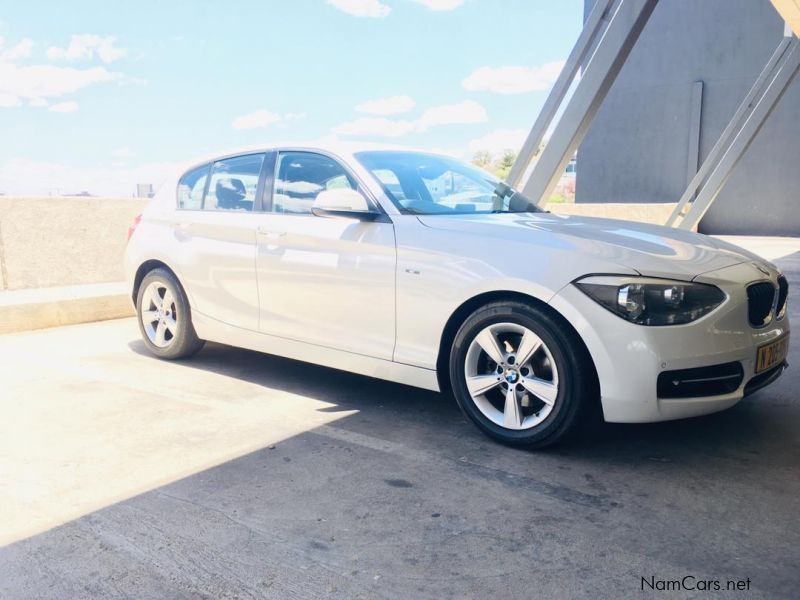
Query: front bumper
pixel 629 357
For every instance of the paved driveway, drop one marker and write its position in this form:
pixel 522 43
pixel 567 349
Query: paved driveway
pixel 238 475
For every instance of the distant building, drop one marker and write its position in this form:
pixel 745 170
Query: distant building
pixel 639 145
pixel 144 190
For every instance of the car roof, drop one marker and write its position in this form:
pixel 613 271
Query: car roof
pixel 336 147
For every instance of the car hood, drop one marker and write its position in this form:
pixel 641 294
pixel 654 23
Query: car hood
pixel 651 250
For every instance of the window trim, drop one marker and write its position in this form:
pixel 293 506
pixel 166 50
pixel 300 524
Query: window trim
pixel 266 181
pixel 208 183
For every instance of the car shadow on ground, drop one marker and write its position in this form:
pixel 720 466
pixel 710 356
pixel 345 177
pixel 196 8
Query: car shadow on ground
pixel 404 498
pixel 747 427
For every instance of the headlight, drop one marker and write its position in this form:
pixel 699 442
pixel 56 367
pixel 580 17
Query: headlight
pixel 646 301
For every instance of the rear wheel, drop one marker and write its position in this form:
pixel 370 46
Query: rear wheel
pixel 164 316
pixel 520 374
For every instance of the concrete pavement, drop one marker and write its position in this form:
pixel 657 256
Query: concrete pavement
pixel 240 475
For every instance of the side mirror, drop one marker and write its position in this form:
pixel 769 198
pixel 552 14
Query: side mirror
pixel 343 202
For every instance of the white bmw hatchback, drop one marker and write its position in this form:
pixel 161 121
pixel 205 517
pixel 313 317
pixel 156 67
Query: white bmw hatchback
pixel 420 269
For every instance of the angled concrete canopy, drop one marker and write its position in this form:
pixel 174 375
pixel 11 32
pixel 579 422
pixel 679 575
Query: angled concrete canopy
pixel 757 105
pixel 617 25
pixel 610 31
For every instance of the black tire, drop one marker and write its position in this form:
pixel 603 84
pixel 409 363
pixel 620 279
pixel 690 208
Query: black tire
pixel 184 342
pixel 577 381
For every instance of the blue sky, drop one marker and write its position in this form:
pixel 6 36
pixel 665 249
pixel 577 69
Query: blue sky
pixel 98 95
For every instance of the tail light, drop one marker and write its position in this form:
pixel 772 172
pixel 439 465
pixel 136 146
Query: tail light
pixel 137 219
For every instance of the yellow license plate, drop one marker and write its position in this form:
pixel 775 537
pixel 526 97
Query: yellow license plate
pixel 772 354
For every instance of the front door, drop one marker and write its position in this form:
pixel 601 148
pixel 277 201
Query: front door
pixel 325 281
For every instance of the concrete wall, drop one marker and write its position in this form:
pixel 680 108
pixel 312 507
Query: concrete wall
pixel 48 242
pixel 638 146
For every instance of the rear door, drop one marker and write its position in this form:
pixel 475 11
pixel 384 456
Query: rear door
pixel 216 230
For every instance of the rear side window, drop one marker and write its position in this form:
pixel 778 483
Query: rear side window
pixel 234 182
pixel 191 188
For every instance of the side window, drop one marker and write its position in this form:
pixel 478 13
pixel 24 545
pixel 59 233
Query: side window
pixel 300 176
pixel 233 184
pixel 191 188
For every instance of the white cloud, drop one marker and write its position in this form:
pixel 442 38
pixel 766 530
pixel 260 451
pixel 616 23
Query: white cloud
pixel 454 152
pixel 375 127
pixel 86 46
pixel 262 118
pixel 362 8
pixel 298 187
pixel 391 105
pixel 440 4
pixel 465 112
pixel 499 140
pixel 20 50
pixel 513 80
pixel 9 100
pixel 64 107
pixel 39 82
pixel 256 119
pixel 20 177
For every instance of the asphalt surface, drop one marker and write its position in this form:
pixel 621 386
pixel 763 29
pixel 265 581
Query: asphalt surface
pixel 239 475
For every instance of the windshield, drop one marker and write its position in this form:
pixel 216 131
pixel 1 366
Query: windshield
pixel 429 184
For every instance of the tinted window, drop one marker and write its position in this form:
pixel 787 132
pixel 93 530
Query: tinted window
pixel 429 184
pixel 234 182
pixel 300 176
pixel 191 188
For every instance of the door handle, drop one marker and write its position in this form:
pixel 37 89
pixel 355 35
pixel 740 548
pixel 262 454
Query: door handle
pixel 270 233
pixel 183 231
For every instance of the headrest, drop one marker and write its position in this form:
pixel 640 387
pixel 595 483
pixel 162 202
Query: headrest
pixel 230 192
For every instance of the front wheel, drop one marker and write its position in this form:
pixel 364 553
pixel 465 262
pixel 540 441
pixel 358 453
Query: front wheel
pixel 165 320
pixel 521 375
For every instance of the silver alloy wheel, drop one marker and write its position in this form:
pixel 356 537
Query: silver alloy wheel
pixel 159 317
pixel 511 376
